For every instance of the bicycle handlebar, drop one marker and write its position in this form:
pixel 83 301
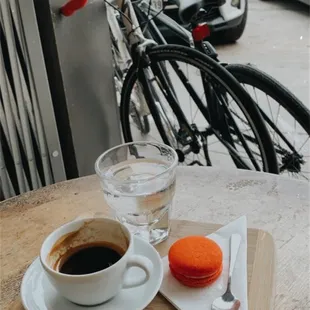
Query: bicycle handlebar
pixel 72 6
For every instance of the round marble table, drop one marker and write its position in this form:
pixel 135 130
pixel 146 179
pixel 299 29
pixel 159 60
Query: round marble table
pixel 272 203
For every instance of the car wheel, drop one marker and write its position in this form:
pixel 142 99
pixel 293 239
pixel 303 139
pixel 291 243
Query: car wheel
pixel 232 34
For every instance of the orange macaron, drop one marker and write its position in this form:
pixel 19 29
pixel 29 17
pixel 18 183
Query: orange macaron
pixel 195 261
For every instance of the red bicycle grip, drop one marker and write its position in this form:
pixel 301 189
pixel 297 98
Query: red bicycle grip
pixel 72 6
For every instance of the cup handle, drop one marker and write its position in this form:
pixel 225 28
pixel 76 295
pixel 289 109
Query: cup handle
pixel 141 262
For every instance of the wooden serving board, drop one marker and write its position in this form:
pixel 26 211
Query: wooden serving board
pixel 261 263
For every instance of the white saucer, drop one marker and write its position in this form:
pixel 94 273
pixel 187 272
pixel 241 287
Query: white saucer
pixel 38 294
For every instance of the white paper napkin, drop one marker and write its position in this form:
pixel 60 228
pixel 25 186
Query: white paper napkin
pixel 185 298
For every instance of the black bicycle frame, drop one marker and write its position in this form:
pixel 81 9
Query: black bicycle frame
pixel 214 114
pixel 208 49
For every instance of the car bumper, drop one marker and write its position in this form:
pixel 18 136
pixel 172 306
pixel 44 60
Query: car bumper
pixel 224 17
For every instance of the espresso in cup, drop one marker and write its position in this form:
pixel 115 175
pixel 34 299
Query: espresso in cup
pixel 86 260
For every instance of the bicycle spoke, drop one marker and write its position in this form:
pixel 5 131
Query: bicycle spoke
pixel 304 176
pixel 238 132
pixel 294 131
pixel 190 98
pixel 278 113
pixel 223 153
pixel 269 105
pixel 303 144
pixel 277 131
pixel 285 116
pixel 258 102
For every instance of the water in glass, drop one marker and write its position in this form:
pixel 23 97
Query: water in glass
pixel 140 192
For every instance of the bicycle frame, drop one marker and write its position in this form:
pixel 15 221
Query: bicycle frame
pixel 138 44
pixel 133 31
pixel 216 113
pixel 121 51
pixel 204 47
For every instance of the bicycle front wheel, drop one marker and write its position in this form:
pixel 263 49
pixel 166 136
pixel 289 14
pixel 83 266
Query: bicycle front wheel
pixel 287 119
pixel 206 115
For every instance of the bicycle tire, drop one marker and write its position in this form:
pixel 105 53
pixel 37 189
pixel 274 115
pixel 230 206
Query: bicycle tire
pixel 219 73
pixel 291 161
pixel 267 84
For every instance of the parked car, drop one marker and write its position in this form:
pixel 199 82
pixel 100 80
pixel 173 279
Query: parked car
pixel 307 2
pixel 226 22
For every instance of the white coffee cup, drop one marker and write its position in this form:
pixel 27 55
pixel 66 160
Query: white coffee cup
pixel 98 287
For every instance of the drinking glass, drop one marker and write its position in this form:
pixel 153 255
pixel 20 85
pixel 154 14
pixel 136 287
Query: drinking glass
pixel 138 182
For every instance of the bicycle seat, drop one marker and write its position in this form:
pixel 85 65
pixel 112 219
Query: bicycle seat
pixel 188 8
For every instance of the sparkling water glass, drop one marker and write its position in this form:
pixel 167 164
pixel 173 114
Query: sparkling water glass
pixel 138 182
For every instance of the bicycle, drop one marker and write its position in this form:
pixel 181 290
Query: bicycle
pixel 249 147
pixel 290 157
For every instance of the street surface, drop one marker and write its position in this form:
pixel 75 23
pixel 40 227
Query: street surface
pixel 277 41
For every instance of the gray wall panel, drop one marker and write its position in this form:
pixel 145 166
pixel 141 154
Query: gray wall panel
pixel 85 58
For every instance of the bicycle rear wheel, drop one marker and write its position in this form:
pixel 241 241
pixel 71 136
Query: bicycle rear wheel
pixel 197 131
pixel 287 119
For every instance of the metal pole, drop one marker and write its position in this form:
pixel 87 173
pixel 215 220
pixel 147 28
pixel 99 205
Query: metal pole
pixel 10 124
pixel 20 39
pixel 33 110
pixel 14 110
pixel 3 176
pixel 3 123
pixel 47 129
pixel 6 132
pixel 7 23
